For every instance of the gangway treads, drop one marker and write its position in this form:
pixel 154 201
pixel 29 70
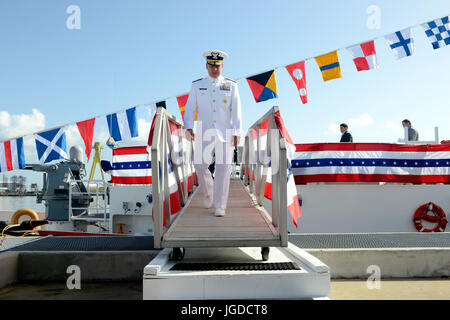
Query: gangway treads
pixel 209 266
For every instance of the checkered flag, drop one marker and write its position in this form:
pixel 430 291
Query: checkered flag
pixel 364 56
pixel 438 32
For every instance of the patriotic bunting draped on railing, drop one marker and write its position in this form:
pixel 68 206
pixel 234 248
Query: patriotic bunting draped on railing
pixel 122 125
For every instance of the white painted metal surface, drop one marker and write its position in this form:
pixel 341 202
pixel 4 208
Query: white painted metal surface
pixel 129 206
pixel 357 208
pixel 312 281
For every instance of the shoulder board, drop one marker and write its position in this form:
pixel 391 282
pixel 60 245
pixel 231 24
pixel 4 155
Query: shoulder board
pixel 197 80
pixel 230 79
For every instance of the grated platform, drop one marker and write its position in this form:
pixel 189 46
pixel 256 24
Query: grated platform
pixel 234 266
pixel 371 240
pixel 104 243
pixel 304 241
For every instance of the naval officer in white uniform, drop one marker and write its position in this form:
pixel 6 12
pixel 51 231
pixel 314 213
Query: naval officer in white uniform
pixel 218 129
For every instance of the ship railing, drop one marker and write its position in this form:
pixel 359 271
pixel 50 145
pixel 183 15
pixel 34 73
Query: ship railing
pixel 93 195
pixel 165 152
pixel 435 141
pixel 257 158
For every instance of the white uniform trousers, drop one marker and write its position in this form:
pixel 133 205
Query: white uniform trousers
pixel 219 186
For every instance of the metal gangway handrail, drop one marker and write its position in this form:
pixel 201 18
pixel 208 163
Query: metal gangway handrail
pixel 256 164
pixel 272 230
pixel 180 156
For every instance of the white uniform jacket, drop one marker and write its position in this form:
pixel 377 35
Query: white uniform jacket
pixel 218 104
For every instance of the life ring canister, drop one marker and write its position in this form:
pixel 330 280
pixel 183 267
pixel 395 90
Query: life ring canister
pixel 422 214
pixel 24 212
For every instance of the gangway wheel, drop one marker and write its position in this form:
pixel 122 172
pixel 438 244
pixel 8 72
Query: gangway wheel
pixel 177 254
pixel 265 253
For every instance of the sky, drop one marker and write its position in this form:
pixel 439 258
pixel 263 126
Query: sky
pixel 128 53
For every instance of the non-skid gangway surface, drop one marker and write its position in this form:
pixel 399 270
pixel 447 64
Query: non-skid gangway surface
pixel 244 224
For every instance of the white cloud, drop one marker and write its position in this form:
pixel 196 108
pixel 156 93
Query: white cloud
pixel 394 126
pixel 144 130
pixel 362 121
pixel 17 125
pixel 101 136
pixel 334 128
pixel 391 132
pixel 29 149
pixel 73 137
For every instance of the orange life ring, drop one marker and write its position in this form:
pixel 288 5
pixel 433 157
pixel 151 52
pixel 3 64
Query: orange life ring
pixel 422 214
pixel 24 212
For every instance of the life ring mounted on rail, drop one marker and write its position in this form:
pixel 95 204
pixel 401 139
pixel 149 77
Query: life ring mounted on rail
pixel 24 212
pixel 422 214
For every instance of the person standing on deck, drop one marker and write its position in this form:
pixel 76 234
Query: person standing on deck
pixel 218 129
pixel 346 136
pixel 413 135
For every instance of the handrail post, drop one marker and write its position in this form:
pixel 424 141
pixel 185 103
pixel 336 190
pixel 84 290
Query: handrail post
pixel 241 169
pixel 258 161
pixel 70 201
pixel 436 135
pixel 251 161
pixel 156 182
pixel 267 156
pixel 405 132
pixel 275 166
pixel 283 194
pixel 165 172
pixel 105 197
pixel 185 156
pixel 175 157
pixel 246 161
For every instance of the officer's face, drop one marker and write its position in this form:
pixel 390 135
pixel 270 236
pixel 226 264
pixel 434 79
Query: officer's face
pixel 214 71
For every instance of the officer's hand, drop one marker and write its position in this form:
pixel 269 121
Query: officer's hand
pixel 191 134
pixel 236 140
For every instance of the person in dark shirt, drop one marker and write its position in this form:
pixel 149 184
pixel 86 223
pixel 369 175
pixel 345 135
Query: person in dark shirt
pixel 346 136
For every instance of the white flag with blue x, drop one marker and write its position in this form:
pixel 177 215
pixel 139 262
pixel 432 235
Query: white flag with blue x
pixel 401 43
pixel 51 145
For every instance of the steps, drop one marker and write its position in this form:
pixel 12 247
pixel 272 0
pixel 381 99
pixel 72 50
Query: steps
pixel 310 279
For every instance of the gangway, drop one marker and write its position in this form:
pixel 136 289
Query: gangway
pixel 246 223
pixel 235 270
